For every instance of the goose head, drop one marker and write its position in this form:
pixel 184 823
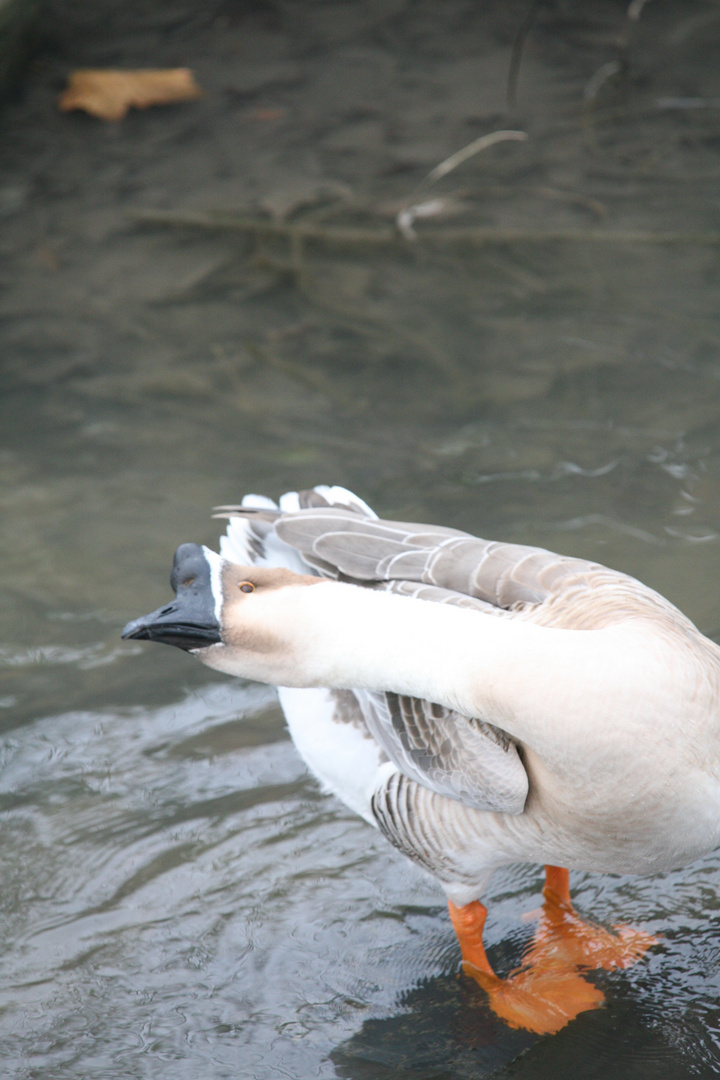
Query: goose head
pixel 243 620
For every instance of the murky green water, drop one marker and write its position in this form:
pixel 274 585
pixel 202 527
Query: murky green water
pixel 178 899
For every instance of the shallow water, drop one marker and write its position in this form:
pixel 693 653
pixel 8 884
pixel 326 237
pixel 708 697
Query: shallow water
pixel 178 898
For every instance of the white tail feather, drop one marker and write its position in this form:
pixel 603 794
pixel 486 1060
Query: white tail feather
pixel 258 502
pixel 340 496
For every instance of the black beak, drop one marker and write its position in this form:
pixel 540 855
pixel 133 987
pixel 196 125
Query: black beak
pixel 189 622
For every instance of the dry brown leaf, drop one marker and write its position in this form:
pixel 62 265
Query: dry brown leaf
pixel 109 94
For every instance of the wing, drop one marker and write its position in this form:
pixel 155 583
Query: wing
pixel 508 579
pixel 431 830
pixel 454 755
pixel 363 550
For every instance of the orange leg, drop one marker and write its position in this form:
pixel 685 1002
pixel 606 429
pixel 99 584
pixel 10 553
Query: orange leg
pixel 541 999
pixel 557 885
pixel 565 938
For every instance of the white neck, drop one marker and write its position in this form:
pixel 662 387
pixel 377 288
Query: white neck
pixel 371 639
pixel 534 682
pixel 506 671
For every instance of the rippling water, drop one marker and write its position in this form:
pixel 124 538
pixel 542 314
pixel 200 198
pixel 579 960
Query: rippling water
pixel 178 898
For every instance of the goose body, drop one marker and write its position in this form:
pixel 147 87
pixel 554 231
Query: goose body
pixel 480 703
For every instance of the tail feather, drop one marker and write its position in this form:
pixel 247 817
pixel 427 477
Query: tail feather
pixel 258 502
pixel 252 540
pixel 340 496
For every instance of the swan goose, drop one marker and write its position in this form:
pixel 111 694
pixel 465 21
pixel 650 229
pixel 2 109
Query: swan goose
pixel 480 703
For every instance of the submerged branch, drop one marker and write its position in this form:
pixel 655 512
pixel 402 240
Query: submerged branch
pixel 387 236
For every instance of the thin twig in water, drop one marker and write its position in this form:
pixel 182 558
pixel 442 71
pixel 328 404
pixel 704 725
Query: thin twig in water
pixel 601 76
pixel 410 214
pixel 517 51
pixel 475 147
pixel 432 208
pixel 621 65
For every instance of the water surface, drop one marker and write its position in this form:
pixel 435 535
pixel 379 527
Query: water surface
pixel 178 897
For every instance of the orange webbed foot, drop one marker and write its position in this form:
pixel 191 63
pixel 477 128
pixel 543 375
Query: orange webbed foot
pixel 572 942
pixel 563 937
pixel 538 999
pixel 542 998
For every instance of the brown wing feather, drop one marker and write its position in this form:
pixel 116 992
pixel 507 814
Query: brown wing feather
pixel 524 581
pixel 455 755
pixel 430 829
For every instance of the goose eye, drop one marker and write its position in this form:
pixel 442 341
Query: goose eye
pixel 246 586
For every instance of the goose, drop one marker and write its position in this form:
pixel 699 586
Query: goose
pixel 480 703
